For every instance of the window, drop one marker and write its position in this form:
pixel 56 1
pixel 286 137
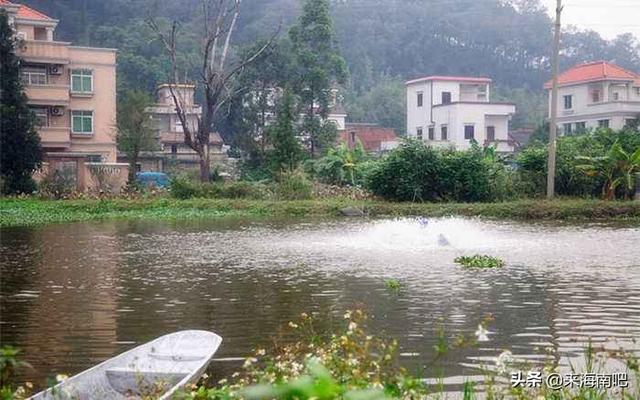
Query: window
pixel 595 96
pixel 443 132
pixel 603 123
pixel 178 126
pixel 567 129
pixel 446 97
pixel 568 102
pixel 616 96
pixel 174 149
pixel 491 133
pixel 42 115
pixel 82 81
pixel 420 99
pixel 581 127
pixel 431 135
pixel 469 131
pixel 34 76
pixel 82 122
pixel 419 133
pixel 353 137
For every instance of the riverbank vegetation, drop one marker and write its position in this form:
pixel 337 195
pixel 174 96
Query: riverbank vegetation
pixel 31 211
pixel 479 261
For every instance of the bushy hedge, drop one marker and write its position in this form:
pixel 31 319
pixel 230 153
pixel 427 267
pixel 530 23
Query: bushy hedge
pixel 184 188
pixel 416 172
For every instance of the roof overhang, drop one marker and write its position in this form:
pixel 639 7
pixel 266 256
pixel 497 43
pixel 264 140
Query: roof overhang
pixel 460 79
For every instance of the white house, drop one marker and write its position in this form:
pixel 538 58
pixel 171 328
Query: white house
pixel 452 110
pixel 596 94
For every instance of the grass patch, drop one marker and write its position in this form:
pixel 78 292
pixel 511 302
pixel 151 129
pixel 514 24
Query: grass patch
pixel 32 211
pixel 479 261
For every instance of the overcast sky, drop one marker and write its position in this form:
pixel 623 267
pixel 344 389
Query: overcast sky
pixel 607 17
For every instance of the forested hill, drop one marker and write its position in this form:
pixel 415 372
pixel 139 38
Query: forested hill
pixel 383 41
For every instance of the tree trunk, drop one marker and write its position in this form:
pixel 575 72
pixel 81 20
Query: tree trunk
pixel 133 163
pixel 205 166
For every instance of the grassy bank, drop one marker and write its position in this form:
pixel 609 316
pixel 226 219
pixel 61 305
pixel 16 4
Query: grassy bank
pixel 26 212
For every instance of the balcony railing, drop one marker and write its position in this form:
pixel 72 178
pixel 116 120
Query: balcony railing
pixel 611 106
pixel 48 95
pixel 42 51
pixel 55 136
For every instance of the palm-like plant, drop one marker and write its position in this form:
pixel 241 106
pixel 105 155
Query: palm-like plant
pixel 339 165
pixel 616 168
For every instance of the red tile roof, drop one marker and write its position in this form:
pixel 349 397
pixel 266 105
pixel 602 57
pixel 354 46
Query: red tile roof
pixel 26 12
pixel 594 72
pixel 468 79
pixel 370 135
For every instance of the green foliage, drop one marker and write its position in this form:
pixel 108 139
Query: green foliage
pixel 416 172
pixel 20 153
pixel 393 284
pixel 183 188
pixel 572 152
pixel 617 168
pixel 286 153
pixel 465 175
pixel 384 104
pixel 134 130
pixel 293 185
pixel 317 64
pixel 349 364
pixel 409 173
pixel 479 261
pixel 340 165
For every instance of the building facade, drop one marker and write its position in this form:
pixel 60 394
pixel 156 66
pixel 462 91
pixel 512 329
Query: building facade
pixel 446 111
pixel 170 132
pixel 71 90
pixel 373 137
pixel 596 95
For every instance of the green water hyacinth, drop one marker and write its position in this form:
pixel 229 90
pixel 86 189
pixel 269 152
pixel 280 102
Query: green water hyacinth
pixel 479 261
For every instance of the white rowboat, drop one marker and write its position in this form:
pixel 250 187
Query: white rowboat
pixel 157 369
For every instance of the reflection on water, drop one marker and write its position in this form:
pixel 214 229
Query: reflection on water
pixel 74 295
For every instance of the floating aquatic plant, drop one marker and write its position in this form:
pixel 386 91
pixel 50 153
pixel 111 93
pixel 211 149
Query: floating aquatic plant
pixel 393 284
pixel 479 261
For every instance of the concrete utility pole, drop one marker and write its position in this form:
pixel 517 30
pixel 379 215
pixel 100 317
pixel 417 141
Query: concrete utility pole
pixel 553 124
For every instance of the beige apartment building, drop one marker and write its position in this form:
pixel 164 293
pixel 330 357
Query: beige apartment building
pixel 72 91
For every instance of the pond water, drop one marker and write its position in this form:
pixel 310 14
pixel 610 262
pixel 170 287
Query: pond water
pixel 73 295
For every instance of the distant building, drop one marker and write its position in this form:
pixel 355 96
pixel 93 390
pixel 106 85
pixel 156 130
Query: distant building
pixel 521 136
pixel 72 91
pixel 596 94
pixel 170 131
pixel 453 110
pixel 374 138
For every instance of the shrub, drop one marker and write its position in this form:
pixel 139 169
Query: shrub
pixel 466 175
pixel 293 186
pixel 58 183
pixel 415 171
pixel 409 173
pixel 183 188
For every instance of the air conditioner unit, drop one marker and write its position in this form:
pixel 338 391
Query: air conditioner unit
pixel 55 70
pixel 56 111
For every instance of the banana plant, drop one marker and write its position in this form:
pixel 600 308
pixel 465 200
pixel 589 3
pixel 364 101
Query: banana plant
pixel 617 168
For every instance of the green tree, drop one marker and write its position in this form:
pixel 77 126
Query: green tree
pixel 286 153
pixel 20 151
pixel 134 130
pixel 317 66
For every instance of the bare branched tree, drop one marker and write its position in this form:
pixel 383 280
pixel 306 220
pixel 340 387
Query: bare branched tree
pixel 218 76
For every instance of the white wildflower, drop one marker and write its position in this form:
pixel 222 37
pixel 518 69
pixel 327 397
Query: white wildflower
pixel 482 334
